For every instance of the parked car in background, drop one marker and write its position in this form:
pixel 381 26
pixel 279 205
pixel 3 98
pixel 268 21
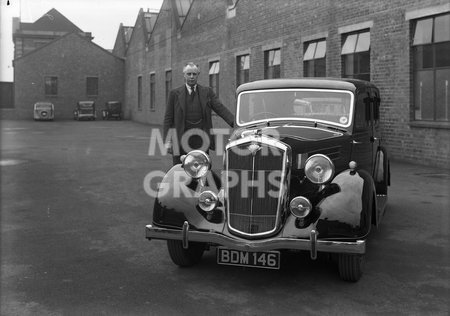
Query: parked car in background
pixel 85 110
pixel 305 169
pixel 112 109
pixel 43 111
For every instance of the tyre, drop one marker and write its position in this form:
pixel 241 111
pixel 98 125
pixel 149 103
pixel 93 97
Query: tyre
pixel 351 266
pixel 185 257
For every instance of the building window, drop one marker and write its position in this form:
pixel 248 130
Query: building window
pixel 431 68
pixel 214 68
pixel 139 92
pixel 314 62
pixel 242 69
pixel 92 86
pixel 153 92
pixel 272 62
pixel 356 55
pixel 168 83
pixel 51 85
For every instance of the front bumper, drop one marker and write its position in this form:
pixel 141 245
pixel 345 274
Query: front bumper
pixel 313 245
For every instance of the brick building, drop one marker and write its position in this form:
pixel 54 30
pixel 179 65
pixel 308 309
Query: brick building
pixel 403 46
pixel 57 62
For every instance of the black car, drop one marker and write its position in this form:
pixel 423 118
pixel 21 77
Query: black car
pixel 112 109
pixel 85 110
pixel 304 169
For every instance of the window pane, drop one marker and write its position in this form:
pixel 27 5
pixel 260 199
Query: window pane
pixel 139 96
pixel 422 34
pixel 423 57
pixel 349 44
pixel 442 54
pixel 308 68
pixel 320 65
pixel 348 65
pixel 309 53
pixel 442 95
pixel 51 85
pixel 214 68
pixel 423 95
pixel 92 86
pixel 152 91
pixel 363 62
pixel 442 28
pixel 246 62
pixel 321 49
pixel 276 57
pixel 276 73
pixel 363 43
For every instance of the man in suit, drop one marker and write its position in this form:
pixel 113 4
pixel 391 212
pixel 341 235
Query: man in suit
pixel 188 112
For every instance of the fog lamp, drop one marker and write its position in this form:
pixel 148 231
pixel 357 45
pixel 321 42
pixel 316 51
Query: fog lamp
pixel 207 201
pixel 196 164
pixel 300 207
pixel 319 169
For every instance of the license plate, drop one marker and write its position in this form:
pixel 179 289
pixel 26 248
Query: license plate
pixel 267 260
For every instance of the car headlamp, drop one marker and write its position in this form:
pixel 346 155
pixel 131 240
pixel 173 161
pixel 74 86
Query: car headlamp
pixel 300 207
pixel 319 169
pixel 196 164
pixel 207 201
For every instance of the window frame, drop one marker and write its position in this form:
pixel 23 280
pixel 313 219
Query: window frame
pixel 272 70
pixel 51 90
pixel 312 66
pixel 214 76
pixel 242 73
pixel 139 92
pixel 152 92
pixel 167 83
pixel 425 55
pixel 88 89
pixel 356 56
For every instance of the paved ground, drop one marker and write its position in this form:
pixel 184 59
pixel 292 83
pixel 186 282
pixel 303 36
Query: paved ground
pixel 73 211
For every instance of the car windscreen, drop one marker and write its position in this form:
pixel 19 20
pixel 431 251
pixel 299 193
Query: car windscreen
pixel 316 105
pixel 114 106
pixel 86 105
pixel 43 106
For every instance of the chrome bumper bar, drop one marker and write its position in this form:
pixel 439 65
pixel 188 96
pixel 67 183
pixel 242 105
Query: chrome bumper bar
pixel 313 245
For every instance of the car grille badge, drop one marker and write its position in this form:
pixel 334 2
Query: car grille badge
pixel 254 148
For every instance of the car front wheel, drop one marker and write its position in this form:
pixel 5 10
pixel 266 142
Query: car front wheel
pixel 185 257
pixel 350 266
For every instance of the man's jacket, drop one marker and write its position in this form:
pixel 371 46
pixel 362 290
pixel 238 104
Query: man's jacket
pixel 176 112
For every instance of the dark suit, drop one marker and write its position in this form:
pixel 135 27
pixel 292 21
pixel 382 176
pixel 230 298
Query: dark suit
pixel 176 112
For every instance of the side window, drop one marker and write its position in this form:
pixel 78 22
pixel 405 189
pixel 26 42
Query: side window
pixel 376 106
pixel 362 111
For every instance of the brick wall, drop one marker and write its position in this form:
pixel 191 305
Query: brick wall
pixel 208 34
pixel 71 59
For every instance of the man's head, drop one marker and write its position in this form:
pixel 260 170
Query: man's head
pixel 191 72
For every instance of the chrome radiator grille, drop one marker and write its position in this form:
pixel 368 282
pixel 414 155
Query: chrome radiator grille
pixel 255 171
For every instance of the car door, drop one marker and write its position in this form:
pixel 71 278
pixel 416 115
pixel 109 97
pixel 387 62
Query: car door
pixel 362 140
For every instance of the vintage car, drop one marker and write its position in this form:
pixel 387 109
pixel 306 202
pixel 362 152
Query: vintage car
pixel 85 110
pixel 304 170
pixel 112 109
pixel 43 111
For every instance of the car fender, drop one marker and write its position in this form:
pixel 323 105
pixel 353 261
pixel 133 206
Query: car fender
pixel 177 200
pixel 347 213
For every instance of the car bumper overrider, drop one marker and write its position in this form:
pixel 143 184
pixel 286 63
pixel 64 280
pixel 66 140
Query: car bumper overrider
pixel 313 245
